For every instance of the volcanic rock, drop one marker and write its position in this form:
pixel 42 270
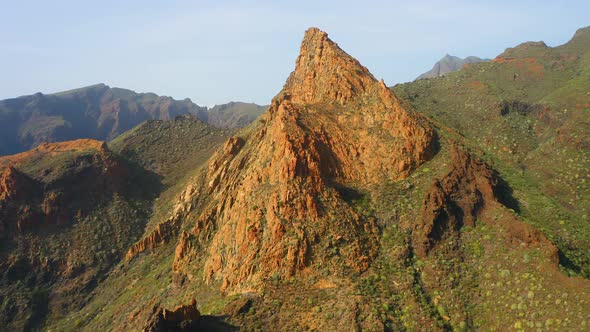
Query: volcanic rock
pixel 271 203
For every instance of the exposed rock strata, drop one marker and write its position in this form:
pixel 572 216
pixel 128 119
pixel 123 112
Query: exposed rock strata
pixel 162 234
pixel 270 207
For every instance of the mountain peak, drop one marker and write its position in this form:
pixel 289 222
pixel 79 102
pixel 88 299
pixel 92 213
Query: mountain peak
pixel 449 63
pixel 316 34
pixel 325 73
pixel 333 125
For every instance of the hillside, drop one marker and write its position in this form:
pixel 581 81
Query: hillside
pixel 448 64
pixel 97 112
pixel 68 211
pixel 343 208
pixel 527 110
pixel 231 115
pixel 171 148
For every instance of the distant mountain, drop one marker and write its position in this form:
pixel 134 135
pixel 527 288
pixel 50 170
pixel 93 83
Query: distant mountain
pixel 102 113
pixel 98 112
pixel 231 115
pixel 449 63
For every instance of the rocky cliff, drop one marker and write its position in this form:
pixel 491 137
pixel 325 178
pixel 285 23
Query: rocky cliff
pixel 272 199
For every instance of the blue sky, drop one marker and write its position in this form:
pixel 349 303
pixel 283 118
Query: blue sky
pixel 218 51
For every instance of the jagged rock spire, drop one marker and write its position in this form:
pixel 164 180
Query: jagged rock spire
pixel 325 73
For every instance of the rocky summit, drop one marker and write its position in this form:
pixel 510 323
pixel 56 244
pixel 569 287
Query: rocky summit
pixel 275 196
pixel 342 207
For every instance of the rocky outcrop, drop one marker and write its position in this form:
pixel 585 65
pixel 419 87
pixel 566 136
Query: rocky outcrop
pixel 270 207
pixel 15 185
pixel 67 210
pixel 18 195
pixel 182 312
pixel 60 173
pixel 180 318
pixel 160 235
pixel 185 250
pixel 463 196
pixel 455 200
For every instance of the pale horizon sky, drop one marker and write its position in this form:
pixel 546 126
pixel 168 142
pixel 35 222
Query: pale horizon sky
pixel 214 52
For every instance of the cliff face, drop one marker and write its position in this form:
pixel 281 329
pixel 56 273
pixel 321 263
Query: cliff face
pixel 272 202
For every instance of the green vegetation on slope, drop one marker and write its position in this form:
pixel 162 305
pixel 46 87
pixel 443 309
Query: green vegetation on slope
pixel 82 221
pixel 528 111
pixel 170 148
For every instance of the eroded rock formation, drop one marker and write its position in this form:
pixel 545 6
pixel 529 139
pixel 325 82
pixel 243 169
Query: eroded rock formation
pixel 270 207
pixel 44 197
pixel 178 319
pixel 461 197
pixel 160 235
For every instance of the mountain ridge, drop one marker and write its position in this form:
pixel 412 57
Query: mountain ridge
pixel 101 112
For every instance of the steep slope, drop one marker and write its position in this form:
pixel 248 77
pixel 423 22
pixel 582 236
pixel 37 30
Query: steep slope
pixel 231 115
pixel 173 150
pixel 341 209
pixel 170 148
pixel 448 64
pixel 66 211
pixel 528 111
pixel 273 195
pixel 97 112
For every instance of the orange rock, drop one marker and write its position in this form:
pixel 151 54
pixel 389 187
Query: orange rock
pixel 162 319
pixel 15 185
pixel 271 205
pixel 455 200
pixel 163 233
pixel 461 197
pixel 26 202
pixel 52 149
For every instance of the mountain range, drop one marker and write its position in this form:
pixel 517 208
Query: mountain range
pixel 102 113
pixel 454 203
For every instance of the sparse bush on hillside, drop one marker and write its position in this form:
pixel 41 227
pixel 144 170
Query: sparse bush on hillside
pixel 517 106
